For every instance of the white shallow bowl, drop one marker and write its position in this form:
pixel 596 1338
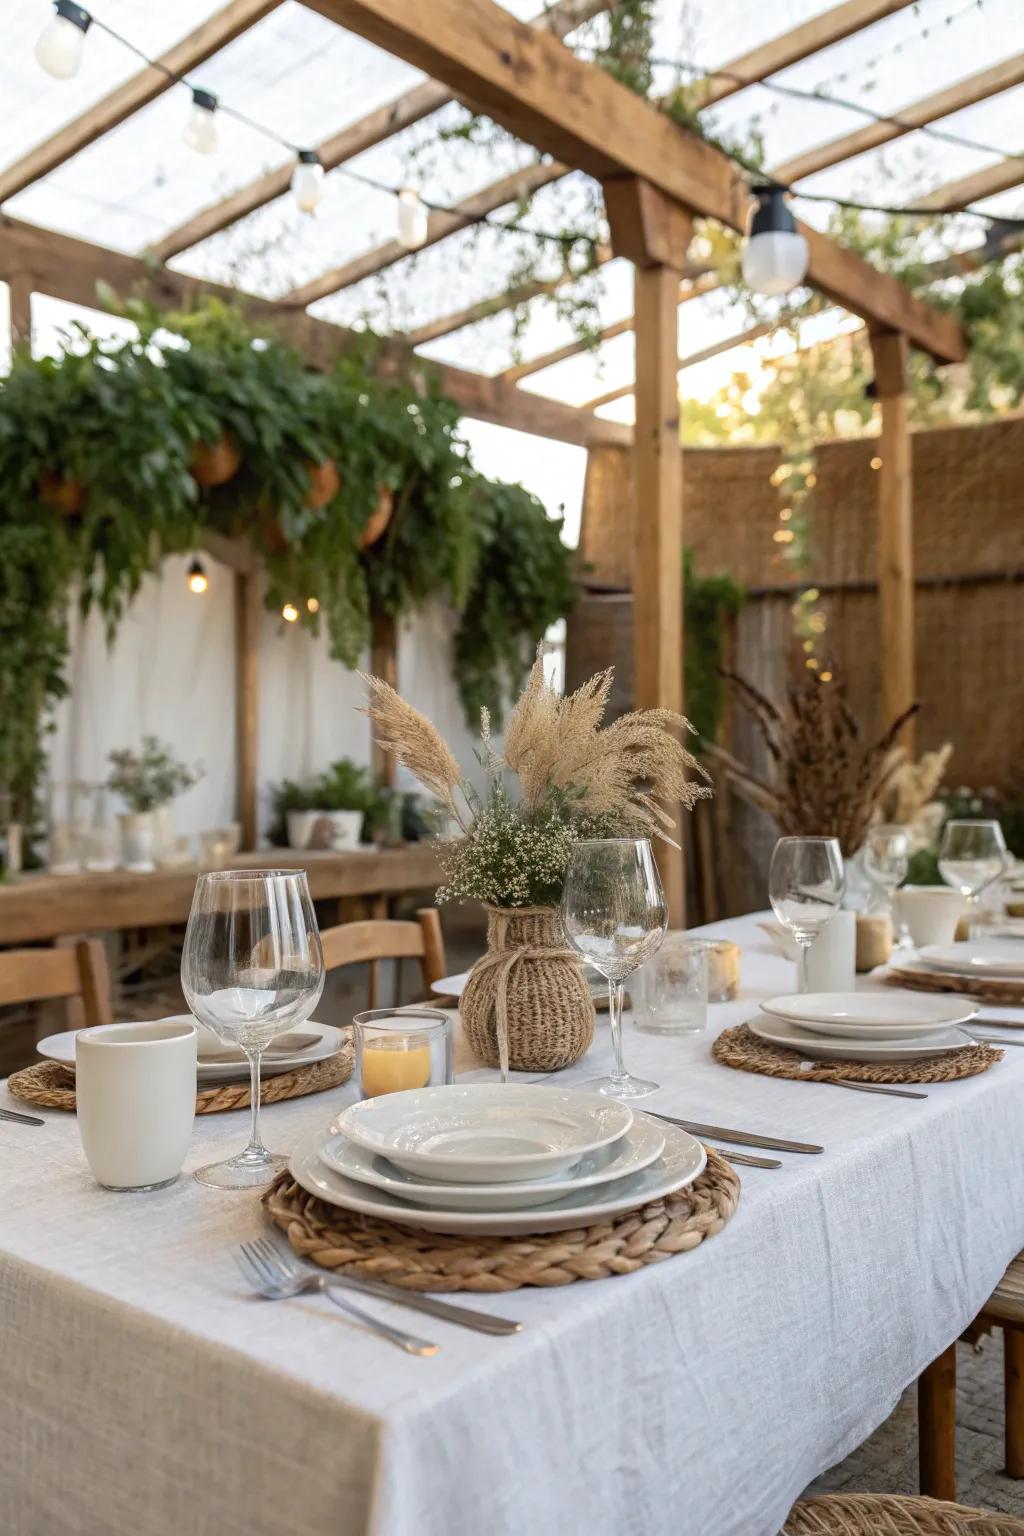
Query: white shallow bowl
pixel 869 1015
pixel 978 957
pixel 681 1161
pixel 937 1042
pixel 642 1143
pixel 62 1048
pixel 485 1133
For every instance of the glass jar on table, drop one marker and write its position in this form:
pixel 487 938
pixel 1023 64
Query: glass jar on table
pixel 401 1048
pixel 670 992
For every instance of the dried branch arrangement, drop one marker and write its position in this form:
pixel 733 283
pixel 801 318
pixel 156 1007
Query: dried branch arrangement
pixel 826 781
pixel 577 778
pixel 915 785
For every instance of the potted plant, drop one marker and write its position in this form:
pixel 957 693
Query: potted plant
pixel 563 776
pixel 147 781
pixel 328 812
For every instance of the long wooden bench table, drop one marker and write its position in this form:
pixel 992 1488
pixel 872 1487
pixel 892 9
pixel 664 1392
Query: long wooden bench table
pixel 39 907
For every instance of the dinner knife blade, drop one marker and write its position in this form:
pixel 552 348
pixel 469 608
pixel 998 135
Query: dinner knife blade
pixel 741 1138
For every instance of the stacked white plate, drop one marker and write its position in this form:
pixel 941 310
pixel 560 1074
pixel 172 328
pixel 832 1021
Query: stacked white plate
pixel 864 1026
pixel 494 1159
pixel 62 1048
pixel 977 959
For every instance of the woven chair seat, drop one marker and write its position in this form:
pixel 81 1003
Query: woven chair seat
pixel 1007 1300
pixel 879 1514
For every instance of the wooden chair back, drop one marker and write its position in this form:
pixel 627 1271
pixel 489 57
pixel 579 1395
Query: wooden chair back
pixel 67 971
pixel 385 939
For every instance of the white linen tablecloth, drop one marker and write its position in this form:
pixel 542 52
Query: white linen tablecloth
pixel 143 1392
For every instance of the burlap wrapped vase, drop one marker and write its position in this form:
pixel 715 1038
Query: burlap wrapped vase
pixel 526 1005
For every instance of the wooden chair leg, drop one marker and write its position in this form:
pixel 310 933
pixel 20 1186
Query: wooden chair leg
pixel 936 1427
pixel 1013 1398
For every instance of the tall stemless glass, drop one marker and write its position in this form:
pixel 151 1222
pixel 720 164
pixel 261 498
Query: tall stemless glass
pixel 252 967
pixel 614 914
pixel 805 884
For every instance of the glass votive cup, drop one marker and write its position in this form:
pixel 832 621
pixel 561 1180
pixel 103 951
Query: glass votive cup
pixel 670 992
pixel 399 1048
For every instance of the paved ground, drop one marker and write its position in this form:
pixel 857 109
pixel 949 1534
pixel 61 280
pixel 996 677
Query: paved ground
pixel 887 1463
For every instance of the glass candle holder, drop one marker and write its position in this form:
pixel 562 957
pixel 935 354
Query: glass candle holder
pixel 670 992
pixel 399 1048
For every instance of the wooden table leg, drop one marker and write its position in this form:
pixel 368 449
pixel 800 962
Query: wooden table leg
pixel 1013 1398
pixel 936 1426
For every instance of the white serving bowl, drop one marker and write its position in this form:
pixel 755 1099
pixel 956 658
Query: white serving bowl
pixel 485 1133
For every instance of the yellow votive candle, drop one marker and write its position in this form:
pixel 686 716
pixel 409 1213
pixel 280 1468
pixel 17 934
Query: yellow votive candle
pixel 394 1062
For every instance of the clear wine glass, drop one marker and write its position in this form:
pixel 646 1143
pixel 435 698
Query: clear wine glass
pixel 971 855
pixel 887 858
pixel 614 915
pixel 251 968
pixel 805 885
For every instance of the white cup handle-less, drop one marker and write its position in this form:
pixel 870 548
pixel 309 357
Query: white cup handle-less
pixel 135 1086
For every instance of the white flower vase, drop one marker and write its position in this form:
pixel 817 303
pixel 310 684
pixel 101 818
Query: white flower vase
pixel 139 839
pixel 346 829
pixel 831 958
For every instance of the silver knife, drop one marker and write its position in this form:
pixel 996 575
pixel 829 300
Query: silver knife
pixel 12 1114
pixel 892 1093
pixel 972 1034
pixel 741 1138
pixel 746 1161
pixel 416 1301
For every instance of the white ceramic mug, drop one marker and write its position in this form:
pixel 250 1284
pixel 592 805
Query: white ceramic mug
pixel 831 959
pixel 930 912
pixel 135 1085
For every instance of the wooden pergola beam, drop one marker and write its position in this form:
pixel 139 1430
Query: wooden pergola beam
pixel 535 87
pixel 895 530
pixel 354 139
pixel 518 186
pixel 970 189
pixel 753 333
pixel 917 114
pixel 483 309
pixel 70 269
pixel 207 39
pixel 799 43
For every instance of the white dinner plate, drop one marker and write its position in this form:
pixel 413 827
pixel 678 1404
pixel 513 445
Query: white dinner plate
pixel 938 1042
pixel 62 1048
pixel 978 957
pixel 642 1143
pixel 869 1015
pixel 485 1133
pixel 681 1161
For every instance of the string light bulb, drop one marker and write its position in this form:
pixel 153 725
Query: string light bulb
pixel 308 180
pixel 876 462
pixel 59 49
pixel 201 127
pixel 412 219
pixel 198 581
pixel 774 253
pixel 313 604
pixel 289 613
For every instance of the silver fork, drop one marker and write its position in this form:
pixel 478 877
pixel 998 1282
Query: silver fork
pixel 447 1311
pixel 260 1264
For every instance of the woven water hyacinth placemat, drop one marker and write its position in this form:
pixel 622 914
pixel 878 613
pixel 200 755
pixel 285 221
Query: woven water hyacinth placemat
pixel 50 1085
pixel 741 1049
pixel 433 1261
pixel 989 989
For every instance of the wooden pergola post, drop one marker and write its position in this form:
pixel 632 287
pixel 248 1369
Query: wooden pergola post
pixel 248 602
pixel 384 664
pixel 654 233
pixel 895 529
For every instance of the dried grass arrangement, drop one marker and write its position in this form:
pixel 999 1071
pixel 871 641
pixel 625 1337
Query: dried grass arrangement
pixel 562 775
pixel 826 780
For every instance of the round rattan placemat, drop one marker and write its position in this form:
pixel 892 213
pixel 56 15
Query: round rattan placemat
pixel 52 1086
pixel 989 989
pixel 433 1261
pixel 884 1514
pixel 741 1049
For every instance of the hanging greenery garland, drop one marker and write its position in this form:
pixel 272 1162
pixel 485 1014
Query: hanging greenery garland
pixel 353 486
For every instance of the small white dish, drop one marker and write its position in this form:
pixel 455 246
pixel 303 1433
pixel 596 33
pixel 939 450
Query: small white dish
pixel 938 1042
pixel 485 1133
pixel 869 1015
pixel 680 1163
pixel 62 1048
pixel 978 957
pixel 642 1143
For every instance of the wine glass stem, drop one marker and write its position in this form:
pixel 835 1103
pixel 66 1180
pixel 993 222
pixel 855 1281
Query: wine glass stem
pixel 619 1073
pixel 255 1143
pixel 805 945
